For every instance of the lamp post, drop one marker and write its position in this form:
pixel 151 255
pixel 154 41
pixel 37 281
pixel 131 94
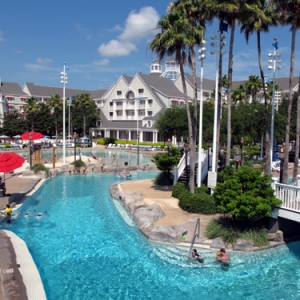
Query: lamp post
pixel 30 151
pixel 64 81
pixel 74 146
pixel 186 149
pixel 281 156
pixel 138 149
pixel 218 45
pixel 242 142
pixel 201 59
pixel 273 66
pixel 169 144
pixel 69 102
pixel 237 158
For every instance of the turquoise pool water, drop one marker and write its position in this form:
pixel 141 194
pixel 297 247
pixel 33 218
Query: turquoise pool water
pixel 84 249
pixel 106 156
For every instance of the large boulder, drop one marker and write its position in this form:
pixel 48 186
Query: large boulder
pixel 43 174
pixel 276 237
pixel 243 245
pixel 217 243
pixel 144 217
pixel 167 234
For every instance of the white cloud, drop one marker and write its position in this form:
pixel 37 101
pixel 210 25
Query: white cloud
pixel 19 52
pixel 102 62
pixel 116 48
pixel 88 37
pixel 1 36
pixel 115 28
pixel 140 24
pixel 44 61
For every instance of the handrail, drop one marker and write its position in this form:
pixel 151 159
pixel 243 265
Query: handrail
pixel 195 234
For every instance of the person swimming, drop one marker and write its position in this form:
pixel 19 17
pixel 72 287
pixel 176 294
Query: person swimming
pixel 196 256
pixel 223 257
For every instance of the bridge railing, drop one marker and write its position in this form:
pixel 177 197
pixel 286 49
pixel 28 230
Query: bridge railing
pixel 289 195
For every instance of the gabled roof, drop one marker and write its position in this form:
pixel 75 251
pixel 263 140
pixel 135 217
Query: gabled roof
pixel 208 84
pixel 11 88
pixel 47 91
pixel 127 78
pixel 164 85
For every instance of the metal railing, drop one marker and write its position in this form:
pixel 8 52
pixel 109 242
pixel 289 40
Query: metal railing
pixel 196 234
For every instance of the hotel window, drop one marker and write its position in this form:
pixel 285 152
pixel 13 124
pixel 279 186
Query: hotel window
pixel 149 113
pixel 111 114
pixel 119 93
pixel 111 104
pixel 141 91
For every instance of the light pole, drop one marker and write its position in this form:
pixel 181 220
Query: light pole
pixel 208 159
pixel 201 59
pixel 169 144
pixel 237 158
pixel 281 156
pixel 64 81
pixel 186 151
pixel 74 146
pixel 30 151
pixel 273 66
pixel 69 102
pixel 242 142
pixel 218 45
pixel 138 149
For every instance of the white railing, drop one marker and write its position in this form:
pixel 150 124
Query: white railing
pixel 289 195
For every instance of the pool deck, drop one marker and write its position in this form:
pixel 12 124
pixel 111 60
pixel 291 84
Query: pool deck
pixel 19 277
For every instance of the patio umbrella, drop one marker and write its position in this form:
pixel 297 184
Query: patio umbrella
pixel 10 161
pixel 34 136
pixel 4 137
pixel 17 136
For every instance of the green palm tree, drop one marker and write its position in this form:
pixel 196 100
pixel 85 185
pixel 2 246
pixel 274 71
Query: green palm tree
pixel 239 94
pixel 253 86
pixel 30 108
pixel 83 101
pixel 289 12
pixel 55 104
pixel 175 39
pixel 259 21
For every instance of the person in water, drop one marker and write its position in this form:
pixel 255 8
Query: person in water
pixel 197 257
pixel 223 257
pixel 8 213
pixel 124 175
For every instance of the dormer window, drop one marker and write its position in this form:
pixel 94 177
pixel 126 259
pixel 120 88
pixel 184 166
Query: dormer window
pixel 119 93
pixel 141 91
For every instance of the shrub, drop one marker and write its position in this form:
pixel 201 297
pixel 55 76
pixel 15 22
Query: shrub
pixel 163 179
pixel 200 202
pixel 39 167
pixel 78 164
pixel 230 230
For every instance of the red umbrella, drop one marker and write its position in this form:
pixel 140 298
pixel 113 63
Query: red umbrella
pixel 10 161
pixel 34 136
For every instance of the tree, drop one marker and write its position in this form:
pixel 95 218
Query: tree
pixel 14 123
pixel 239 94
pixel 245 193
pixel 176 33
pixel 43 119
pixel 259 21
pixel 55 104
pixel 82 102
pixel 30 108
pixel 253 86
pixel 173 122
pixel 289 13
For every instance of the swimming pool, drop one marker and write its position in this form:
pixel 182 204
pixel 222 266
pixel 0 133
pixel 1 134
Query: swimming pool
pixel 106 156
pixel 84 249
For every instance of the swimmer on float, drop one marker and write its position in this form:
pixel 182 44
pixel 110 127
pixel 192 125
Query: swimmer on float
pixel 197 257
pixel 223 257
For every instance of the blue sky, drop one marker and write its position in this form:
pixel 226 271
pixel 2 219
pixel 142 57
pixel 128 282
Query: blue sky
pixel 101 40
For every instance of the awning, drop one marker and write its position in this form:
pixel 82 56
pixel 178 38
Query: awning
pixel 23 97
pixel 174 99
pixel 10 105
pixel 21 104
pixel 9 96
